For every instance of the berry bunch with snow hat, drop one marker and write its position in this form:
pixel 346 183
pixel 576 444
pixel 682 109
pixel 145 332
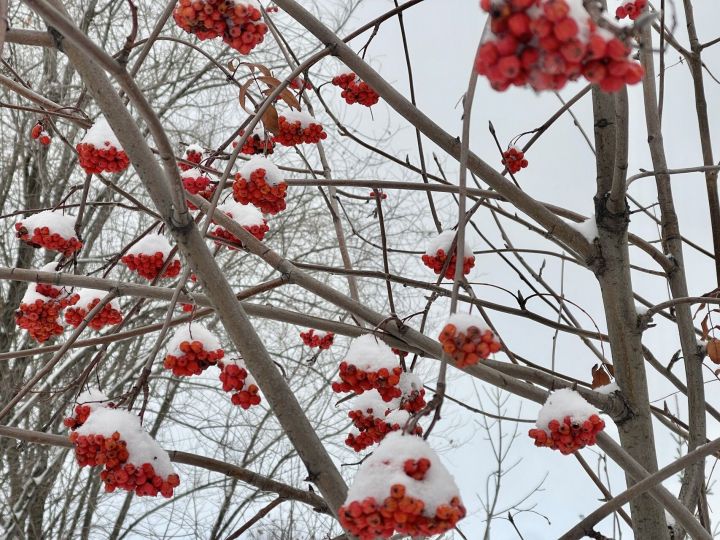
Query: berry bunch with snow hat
pixel 83 301
pixel 245 215
pixel 567 423
pixel 402 487
pixel 261 184
pixel 191 350
pixel 467 339
pixel 51 230
pixel 100 150
pixel 436 255
pixel 114 439
pixel 295 127
pixel 317 339
pixel 546 43
pixel 239 383
pixel 149 255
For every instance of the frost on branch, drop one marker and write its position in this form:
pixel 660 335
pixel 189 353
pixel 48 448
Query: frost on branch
pixel 355 90
pixel 83 301
pixel 248 217
pixel 130 457
pixel 369 364
pixel 437 252
pixel 402 487
pixel 237 381
pixel 100 150
pixel 238 23
pixel 51 230
pixel 374 418
pixel 545 44
pixel 40 315
pixel 191 350
pixel 298 128
pixel 567 422
pixel 467 340
pixel 317 338
pixel 261 184
pixel 147 257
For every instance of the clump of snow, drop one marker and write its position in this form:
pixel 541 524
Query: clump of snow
pixel 371 403
pixel 93 398
pixel 151 244
pixel 88 296
pixel 273 175
pixel 193 332
pixel 369 354
pixel 409 383
pixel 101 135
pixel 297 116
pixel 194 148
pixel 398 416
pixel 142 448
pixel 587 228
pixel 49 267
pixel 562 403
pixel 463 321
pixel 444 241
pixel 245 215
pixel 192 173
pixel 384 468
pixel 31 296
pixel 55 220
pixel 608 388
pixel 641 309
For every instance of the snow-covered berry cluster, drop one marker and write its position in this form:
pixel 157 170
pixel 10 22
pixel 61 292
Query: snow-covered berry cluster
pixel 248 217
pixel 46 289
pixel 261 184
pixel 130 457
pixel 317 338
pixel 197 183
pixel 632 10
pixel 147 257
pixel 402 487
pixel 258 143
pixel 567 423
pixel 467 340
pixel 40 315
pixel 412 398
pixel 100 150
pixel 437 251
pixel 194 154
pixel 40 134
pixel 237 22
pixel 83 301
pixel 373 419
pixel 51 230
pixel 546 43
pixel 369 364
pixel 356 91
pixel 192 350
pixel 236 380
pixel 514 159
pixel 298 128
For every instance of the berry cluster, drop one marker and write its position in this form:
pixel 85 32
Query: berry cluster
pixel 235 379
pixel 437 261
pixel 354 379
pixel 196 183
pixel 109 315
pixel 193 154
pixel 257 144
pixel 631 9
pixel 292 131
pixel 40 316
pixel 259 189
pixel 248 217
pixel 107 158
pixel 413 393
pixel 193 360
pixel 569 435
pixel 39 133
pixel 149 266
pixel 48 290
pixel 367 519
pixel 79 416
pixel 545 43
pixel 514 160
pixel 44 236
pixel 238 23
pixel 298 83
pixel 372 430
pixel 313 338
pixel 467 345
pixel 354 91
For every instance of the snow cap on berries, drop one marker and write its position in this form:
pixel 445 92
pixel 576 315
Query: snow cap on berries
pixel 193 332
pixel 92 398
pixel 369 354
pixel 151 244
pixel 372 403
pixel 562 403
pixel 88 296
pixel 273 175
pixel 463 321
pixel 141 447
pixel 245 215
pixel 444 241
pixel 55 220
pixel 384 468
pixel 298 116
pixel 101 135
